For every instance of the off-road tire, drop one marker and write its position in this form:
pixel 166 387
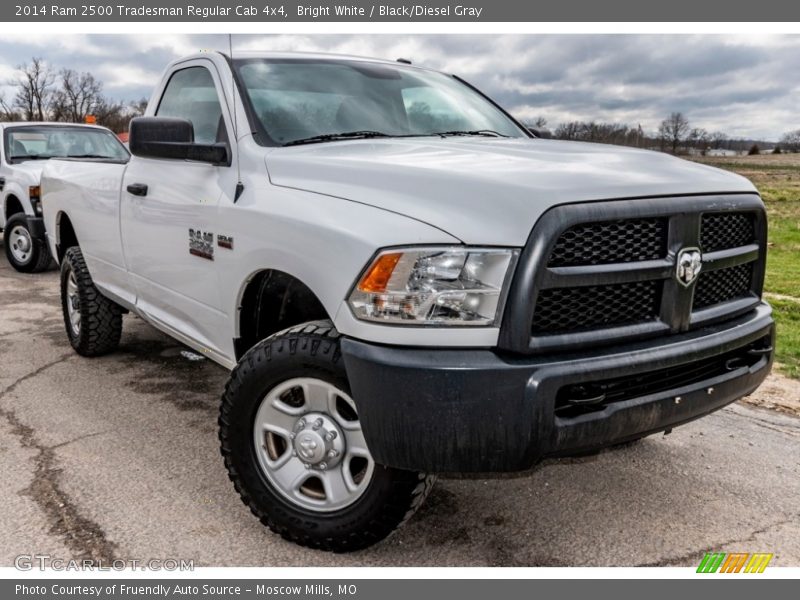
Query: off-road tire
pixel 392 496
pixel 40 257
pixel 101 318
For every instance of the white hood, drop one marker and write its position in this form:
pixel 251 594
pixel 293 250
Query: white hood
pixel 485 190
pixel 28 172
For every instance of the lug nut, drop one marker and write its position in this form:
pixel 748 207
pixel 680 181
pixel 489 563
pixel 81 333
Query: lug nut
pixel 333 454
pixel 330 436
pixel 294 452
pixel 323 466
pixel 317 424
pixel 292 435
pixel 306 465
pixel 300 424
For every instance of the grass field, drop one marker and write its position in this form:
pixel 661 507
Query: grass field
pixel 778 179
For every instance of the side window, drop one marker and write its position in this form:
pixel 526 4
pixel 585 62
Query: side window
pixel 191 95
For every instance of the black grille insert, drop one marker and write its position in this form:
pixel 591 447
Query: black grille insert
pixel 607 242
pixel 723 285
pixel 561 310
pixel 578 399
pixel 721 231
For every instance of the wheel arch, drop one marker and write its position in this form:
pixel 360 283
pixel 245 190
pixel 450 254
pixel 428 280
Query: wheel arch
pixel 65 235
pixel 12 206
pixel 271 300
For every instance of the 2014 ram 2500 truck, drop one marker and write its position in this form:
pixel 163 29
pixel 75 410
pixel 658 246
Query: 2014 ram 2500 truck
pixel 25 147
pixel 405 282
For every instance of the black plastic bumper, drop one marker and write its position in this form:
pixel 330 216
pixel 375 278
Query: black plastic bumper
pixel 474 410
pixel 36 227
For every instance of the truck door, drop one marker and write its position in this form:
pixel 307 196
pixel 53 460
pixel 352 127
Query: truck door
pixel 169 210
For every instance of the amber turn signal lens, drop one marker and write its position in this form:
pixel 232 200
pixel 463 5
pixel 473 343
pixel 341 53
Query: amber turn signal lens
pixel 34 191
pixel 377 278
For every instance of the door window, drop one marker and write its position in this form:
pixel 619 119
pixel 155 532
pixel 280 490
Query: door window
pixel 192 95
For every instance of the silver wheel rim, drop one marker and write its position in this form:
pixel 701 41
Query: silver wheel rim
pixel 73 304
pixel 21 244
pixel 310 445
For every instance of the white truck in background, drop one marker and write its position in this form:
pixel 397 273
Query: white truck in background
pixel 25 148
pixel 405 282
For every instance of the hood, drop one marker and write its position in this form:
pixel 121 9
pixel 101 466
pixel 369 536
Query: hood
pixel 486 190
pixel 28 172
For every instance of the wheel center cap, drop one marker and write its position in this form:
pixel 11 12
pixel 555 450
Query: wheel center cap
pixel 23 245
pixel 317 441
pixel 310 446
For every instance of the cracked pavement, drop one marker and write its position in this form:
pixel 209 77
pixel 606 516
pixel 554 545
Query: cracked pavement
pixel 117 457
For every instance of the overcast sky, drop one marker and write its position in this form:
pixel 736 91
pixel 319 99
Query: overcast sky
pixel 744 86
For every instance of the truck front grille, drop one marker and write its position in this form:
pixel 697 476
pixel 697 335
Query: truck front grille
pixel 723 285
pixel 721 231
pixel 600 273
pixel 570 309
pixel 607 242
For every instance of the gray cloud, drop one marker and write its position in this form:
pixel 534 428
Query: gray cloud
pixel 744 85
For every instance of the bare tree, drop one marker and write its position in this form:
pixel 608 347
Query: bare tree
pixel 77 97
pixel 717 139
pixel 698 138
pixel 568 131
pixel 791 141
pixel 34 86
pixel 7 112
pixel 673 130
pixel 139 107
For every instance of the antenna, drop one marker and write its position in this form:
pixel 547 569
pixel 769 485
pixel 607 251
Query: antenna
pixel 239 184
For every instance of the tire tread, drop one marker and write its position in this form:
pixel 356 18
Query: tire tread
pixel 101 318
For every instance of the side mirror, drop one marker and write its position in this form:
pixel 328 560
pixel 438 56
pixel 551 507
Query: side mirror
pixel 165 137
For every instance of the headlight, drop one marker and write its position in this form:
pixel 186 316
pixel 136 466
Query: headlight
pixel 434 286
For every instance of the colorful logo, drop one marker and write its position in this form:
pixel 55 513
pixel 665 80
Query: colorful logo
pixel 735 562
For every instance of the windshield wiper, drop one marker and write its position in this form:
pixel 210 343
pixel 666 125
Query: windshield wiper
pixel 332 137
pixel 31 157
pixel 483 132
pixel 87 156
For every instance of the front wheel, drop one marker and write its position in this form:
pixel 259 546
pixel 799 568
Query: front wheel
pixel 93 322
pixel 295 451
pixel 26 253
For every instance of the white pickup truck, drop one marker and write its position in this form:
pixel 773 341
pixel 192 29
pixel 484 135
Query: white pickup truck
pixel 25 148
pixel 405 282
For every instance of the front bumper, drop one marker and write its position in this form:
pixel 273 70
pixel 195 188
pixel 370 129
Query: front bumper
pixel 476 410
pixel 36 227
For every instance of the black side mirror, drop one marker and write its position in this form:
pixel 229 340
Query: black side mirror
pixel 165 137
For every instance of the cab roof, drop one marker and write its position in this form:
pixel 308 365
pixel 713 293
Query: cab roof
pixel 301 55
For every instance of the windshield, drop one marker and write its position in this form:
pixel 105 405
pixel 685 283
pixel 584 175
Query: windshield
pixel 41 143
pixel 298 99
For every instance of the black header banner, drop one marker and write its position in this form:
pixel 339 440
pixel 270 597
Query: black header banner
pixel 388 11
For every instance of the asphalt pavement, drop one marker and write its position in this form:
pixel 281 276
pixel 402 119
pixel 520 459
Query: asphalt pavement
pixel 117 457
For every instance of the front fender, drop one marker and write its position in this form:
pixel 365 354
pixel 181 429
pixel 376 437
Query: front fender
pixel 324 242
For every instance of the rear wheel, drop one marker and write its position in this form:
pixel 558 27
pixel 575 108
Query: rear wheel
pixel 295 450
pixel 26 253
pixel 93 322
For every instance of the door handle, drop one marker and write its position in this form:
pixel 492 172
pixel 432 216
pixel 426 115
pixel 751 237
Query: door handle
pixel 137 189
